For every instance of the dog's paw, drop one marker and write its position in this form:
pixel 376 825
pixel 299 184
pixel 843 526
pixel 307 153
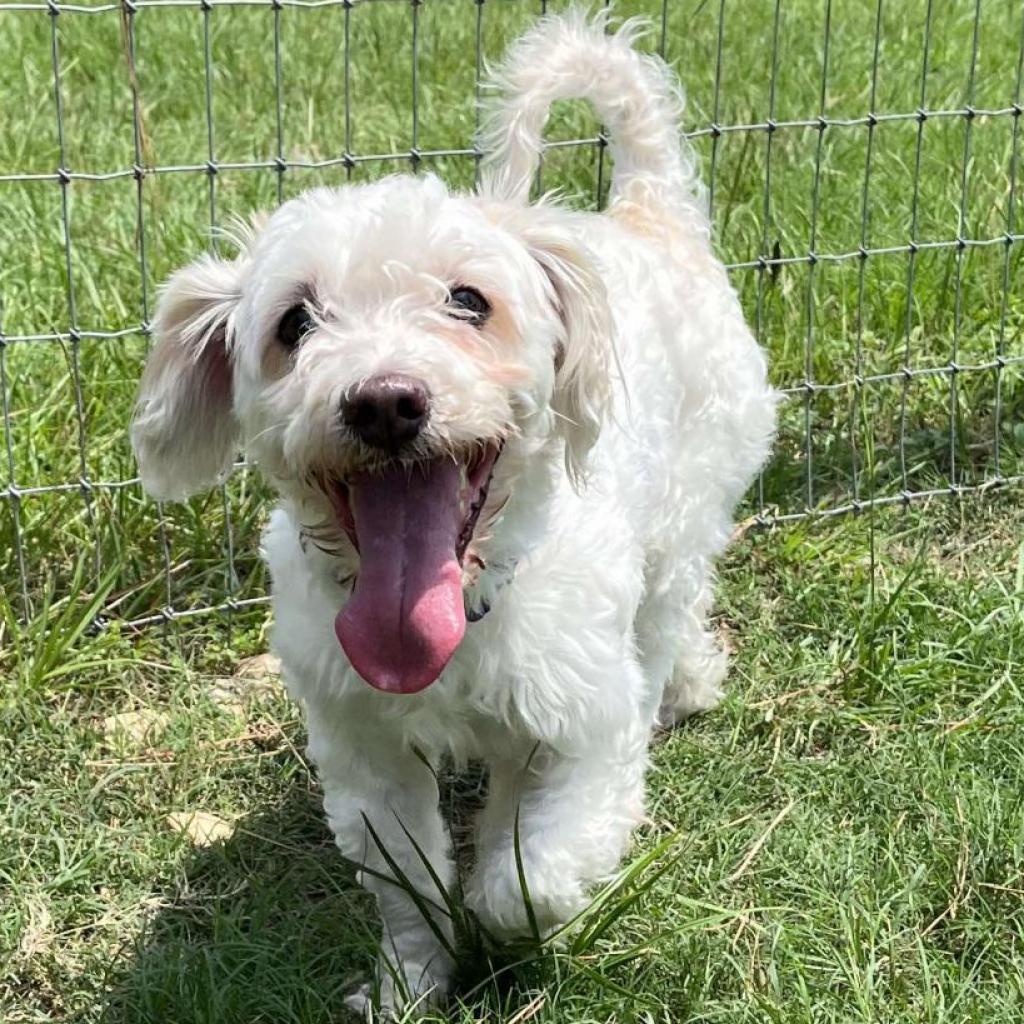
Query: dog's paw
pixel 361 1002
pixel 696 686
pixel 496 896
pixel 396 994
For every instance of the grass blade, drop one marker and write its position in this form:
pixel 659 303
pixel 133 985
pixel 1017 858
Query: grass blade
pixel 410 889
pixel 524 889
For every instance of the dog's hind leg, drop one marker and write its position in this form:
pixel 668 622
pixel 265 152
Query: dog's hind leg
pixel 683 660
pixel 698 674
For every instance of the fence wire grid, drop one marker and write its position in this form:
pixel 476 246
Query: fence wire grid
pixel 863 160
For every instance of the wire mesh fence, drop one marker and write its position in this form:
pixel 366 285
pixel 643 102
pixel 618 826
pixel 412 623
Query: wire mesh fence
pixel 863 160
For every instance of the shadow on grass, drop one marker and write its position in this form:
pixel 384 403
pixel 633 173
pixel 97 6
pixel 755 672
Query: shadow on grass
pixel 268 925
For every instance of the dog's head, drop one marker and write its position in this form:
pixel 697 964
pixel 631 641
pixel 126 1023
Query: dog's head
pixel 375 349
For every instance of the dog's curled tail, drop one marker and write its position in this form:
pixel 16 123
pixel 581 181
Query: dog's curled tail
pixel 572 56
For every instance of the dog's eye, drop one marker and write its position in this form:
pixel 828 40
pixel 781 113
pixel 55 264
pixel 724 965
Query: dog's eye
pixel 294 325
pixel 474 305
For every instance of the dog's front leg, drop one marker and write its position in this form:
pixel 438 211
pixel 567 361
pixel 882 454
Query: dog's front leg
pixel 382 802
pixel 575 815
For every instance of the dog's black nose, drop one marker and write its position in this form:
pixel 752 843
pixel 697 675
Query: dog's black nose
pixel 387 411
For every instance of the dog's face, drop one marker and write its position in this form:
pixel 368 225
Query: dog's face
pixel 376 349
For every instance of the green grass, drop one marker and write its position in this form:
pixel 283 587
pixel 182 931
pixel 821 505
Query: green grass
pixel 822 324
pixel 884 741
pixel 875 694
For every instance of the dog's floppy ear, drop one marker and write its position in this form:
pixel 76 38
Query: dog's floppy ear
pixel 582 387
pixel 184 432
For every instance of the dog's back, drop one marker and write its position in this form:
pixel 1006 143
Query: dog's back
pixel 693 414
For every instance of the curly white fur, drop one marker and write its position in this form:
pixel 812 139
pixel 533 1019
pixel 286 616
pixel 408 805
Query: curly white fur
pixel 617 351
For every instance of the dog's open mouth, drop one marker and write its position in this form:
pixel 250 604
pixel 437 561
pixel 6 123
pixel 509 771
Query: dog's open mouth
pixel 411 525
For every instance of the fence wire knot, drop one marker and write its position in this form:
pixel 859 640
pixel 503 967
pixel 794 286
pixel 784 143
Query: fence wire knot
pixel 864 360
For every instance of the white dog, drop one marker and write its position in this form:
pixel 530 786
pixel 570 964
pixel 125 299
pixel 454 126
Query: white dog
pixel 509 439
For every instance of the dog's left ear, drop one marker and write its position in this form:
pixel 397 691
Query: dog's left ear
pixel 582 387
pixel 184 431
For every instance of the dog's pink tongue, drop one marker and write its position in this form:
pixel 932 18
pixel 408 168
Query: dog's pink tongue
pixel 406 615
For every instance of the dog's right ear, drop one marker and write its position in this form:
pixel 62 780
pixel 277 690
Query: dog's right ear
pixel 184 431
